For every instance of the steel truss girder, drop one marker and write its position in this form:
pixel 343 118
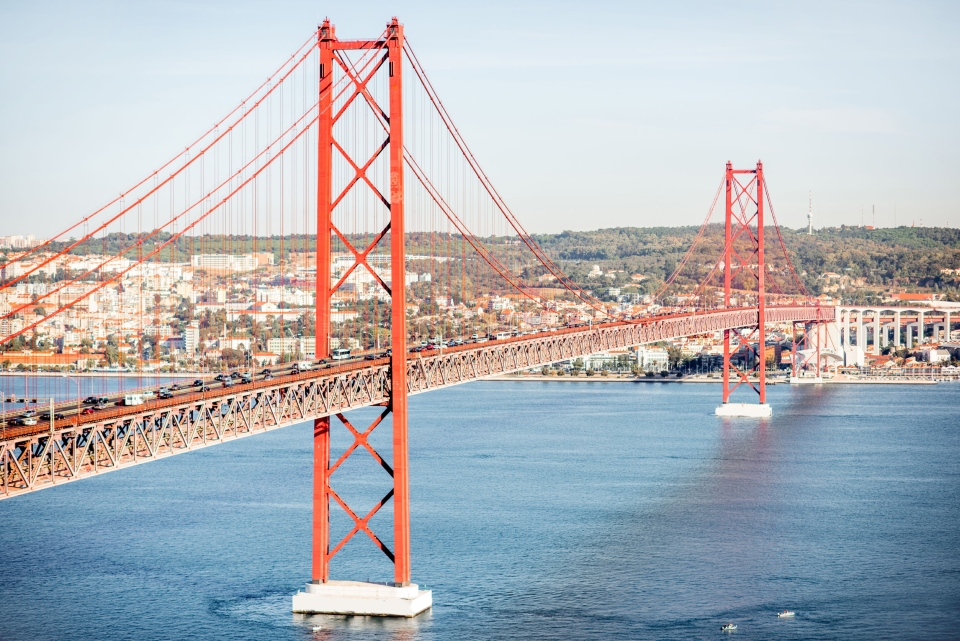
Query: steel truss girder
pixel 127 436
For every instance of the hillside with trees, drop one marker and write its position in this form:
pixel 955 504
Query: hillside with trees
pixel 869 261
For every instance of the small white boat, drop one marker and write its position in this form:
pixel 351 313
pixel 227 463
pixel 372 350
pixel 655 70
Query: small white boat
pixel 786 613
pixel 728 627
pixel 317 628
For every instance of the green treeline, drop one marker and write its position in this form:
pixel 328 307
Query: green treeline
pixel 903 257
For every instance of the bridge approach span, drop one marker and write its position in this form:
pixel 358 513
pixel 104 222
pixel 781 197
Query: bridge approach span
pixel 80 446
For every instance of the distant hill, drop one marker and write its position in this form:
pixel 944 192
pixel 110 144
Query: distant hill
pixel 893 258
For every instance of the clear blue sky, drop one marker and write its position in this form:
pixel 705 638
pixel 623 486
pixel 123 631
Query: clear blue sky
pixel 585 115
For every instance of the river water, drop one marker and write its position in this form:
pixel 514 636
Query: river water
pixel 539 511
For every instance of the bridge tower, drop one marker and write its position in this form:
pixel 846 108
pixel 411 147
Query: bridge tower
pixel 744 270
pixel 322 594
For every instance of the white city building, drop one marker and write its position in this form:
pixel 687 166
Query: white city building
pixel 289 295
pixel 652 359
pixel 191 339
pixel 225 262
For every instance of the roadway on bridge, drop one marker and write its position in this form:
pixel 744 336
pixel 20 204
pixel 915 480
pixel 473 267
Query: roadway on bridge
pixel 115 436
pixel 71 412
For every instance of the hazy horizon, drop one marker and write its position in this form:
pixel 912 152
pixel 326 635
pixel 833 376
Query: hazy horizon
pixel 618 114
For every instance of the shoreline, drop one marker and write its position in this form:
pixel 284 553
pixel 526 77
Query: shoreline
pixel 514 377
pixel 611 379
pixel 105 374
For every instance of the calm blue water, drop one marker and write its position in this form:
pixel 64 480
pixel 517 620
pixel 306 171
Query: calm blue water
pixel 540 511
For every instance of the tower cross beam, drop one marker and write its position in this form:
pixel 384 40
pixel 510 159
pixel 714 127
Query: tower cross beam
pixel 360 438
pixel 353 73
pixel 361 172
pixel 361 524
pixel 360 258
pixel 360 85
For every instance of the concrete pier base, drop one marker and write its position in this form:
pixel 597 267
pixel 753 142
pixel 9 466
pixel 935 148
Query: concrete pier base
pixel 806 380
pixel 746 410
pixel 362 598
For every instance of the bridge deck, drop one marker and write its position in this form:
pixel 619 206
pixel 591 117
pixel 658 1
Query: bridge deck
pixel 81 445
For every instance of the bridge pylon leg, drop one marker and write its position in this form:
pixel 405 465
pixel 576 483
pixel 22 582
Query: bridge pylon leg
pixel 801 366
pixel 321 500
pixel 744 271
pixel 399 597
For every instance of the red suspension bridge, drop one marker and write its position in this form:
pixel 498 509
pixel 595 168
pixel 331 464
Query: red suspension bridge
pixel 337 212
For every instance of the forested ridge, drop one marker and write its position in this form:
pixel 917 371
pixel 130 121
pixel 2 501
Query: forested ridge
pixel 903 258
